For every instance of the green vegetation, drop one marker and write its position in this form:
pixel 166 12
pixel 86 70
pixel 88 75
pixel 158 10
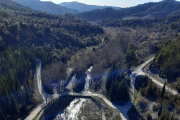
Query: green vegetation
pixel 160 111
pixel 146 11
pixel 111 112
pixel 168 103
pixel 109 56
pixel 174 25
pixel 111 13
pixel 42 29
pixel 145 86
pixel 116 86
pixel 163 91
pixel 25 35
pixel 66 41
pixel 15 74
pixel 130 54
pixel 159 24
pixel 1 115
pixel 167 60
pixel 136 95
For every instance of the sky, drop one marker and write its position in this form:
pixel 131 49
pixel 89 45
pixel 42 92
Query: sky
pixel 118 3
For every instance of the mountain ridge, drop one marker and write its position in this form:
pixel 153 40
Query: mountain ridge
pixel 48 6
pixel 147 10
pixel 81 7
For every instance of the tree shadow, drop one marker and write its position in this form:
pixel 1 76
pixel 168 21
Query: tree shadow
pixel 154 71
pixel 133 114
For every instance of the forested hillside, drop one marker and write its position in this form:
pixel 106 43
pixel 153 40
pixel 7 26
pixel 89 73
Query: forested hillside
pixel 145 11
pixel 30 27
pixel 68 46
pixel 25 35
pixel 164 24
pixel 167 59
pixel 166 62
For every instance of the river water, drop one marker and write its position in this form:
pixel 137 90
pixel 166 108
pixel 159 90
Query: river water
pixel 73 111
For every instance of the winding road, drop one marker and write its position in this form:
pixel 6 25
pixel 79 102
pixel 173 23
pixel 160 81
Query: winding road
pixel 139 71
pixel 48 97
pixel 123 109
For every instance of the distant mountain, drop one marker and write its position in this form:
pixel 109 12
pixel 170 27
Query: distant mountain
pixel 144 11
pixel 48 7
pixel 81 7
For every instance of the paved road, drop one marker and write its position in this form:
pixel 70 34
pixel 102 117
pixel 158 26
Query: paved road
pixel 167 88
pixel 48 97
pixel 139 71
pixel 123 109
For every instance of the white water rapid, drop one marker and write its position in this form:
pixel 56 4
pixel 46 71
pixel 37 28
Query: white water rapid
pixel 123 109
pixel 72 111
pixel 87 80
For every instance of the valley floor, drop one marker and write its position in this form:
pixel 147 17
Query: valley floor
pixel 123 109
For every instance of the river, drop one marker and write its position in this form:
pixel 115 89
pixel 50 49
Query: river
pixel 73 110
pixel 48 97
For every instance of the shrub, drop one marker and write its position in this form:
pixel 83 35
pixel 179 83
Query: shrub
pixel 142 103
pixel 149 117
pixel 156 107
pixel 131 54
pixel 15 28
pixel 174 25
pixel 60 46
pixel 1 115
pixel 40 33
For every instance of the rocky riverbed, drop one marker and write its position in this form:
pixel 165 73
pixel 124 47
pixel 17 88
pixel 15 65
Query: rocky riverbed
pixel 74 108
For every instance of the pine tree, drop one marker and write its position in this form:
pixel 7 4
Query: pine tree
pixel 149 90
pixel 150 65
pixel 163 90
pixel 125 91
pixel 1 115
pixel 160 74
pixel 122 75
pixel 14 105
pixel 108 84
pixel 111 76
pixel 172 117
pixel 160 111
pixel 122 93
pixel 27 97
pixel 113 89
pixel 119 94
